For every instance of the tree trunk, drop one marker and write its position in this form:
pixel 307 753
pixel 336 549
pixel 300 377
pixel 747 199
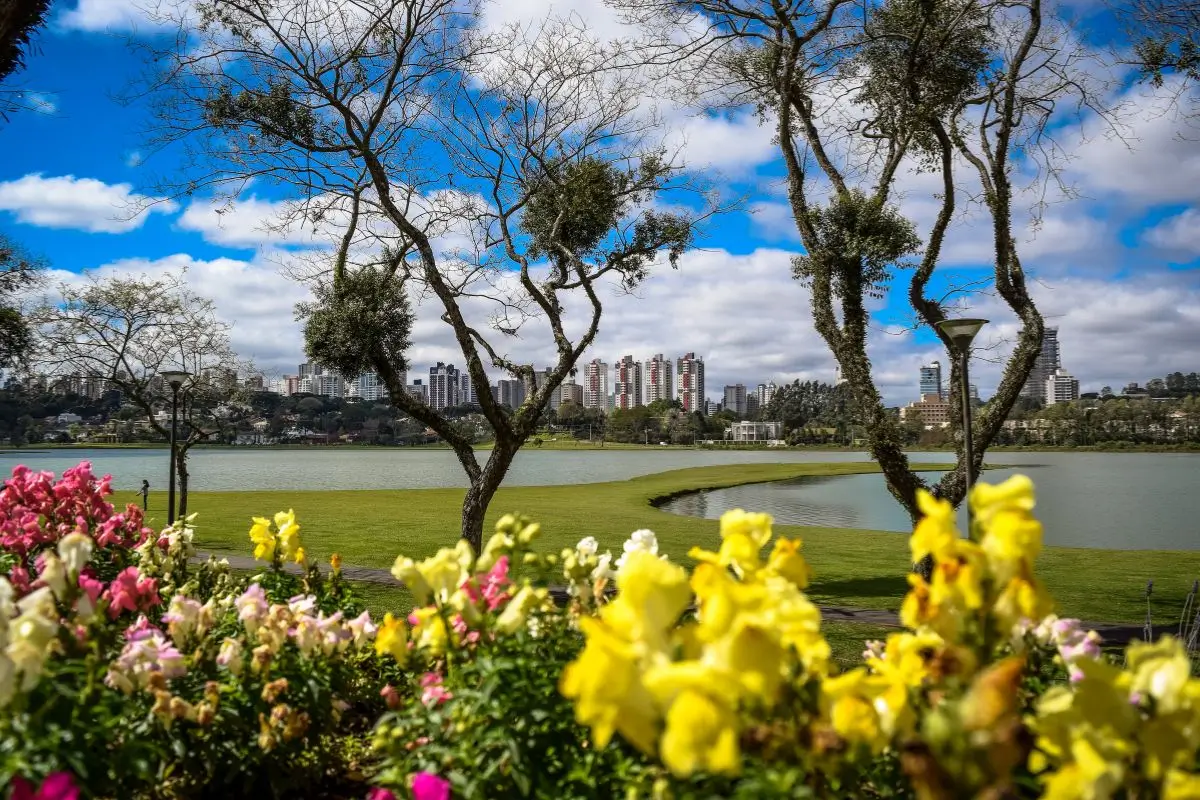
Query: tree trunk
pixel 483 489
pixel 181 471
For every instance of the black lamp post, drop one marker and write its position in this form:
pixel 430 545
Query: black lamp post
pixel 175 379
pixel 961 332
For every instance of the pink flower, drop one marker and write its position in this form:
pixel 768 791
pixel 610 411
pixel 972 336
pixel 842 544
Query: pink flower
pixel 390 696
pixel 91 587
pixel 495 584
pixel 433 692
pixel 379 793
pixel 427 786
pixel 129 591
pixel 59 786
pixel 142 629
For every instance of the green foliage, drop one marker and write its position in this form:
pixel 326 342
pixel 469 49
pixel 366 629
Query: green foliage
pixel 274 113
pixel 506 731
pixel 574 207
pixel 919 61
pixel 353 320
pixel 857 242
pixel 20 22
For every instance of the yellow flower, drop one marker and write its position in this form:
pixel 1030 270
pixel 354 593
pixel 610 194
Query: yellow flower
pixel 1181 785
pixel 518 609
pixel 500 544
pixel 1021 599
pixel 743 535
pixel 1162 671
pixel 263 539
pixel 1089 776
pixel 787 562
pixel 848 703
pixel 936 533
pixel 652 593
pixel 906 657
pixel 335 562
pixel 606 685
pixel 392 638
pixel 701 730
pixel 405 570
pixel 289 535
pixel 756 527
pixel 429 632
pixel 444 572
pixel 1014 495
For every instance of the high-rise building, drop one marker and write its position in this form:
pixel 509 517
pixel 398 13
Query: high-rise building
pixel 543 378
pixel 735 399
pixel 764 392
pixel 570 392
pixel 689 372
pixel 595 384
pixel 444 387
pixel 931 380
pixel 752 405
pixel 418 391
pixel 627 385
pixel 1061 387
pixel 711 407
pixel 509 392
pixel 328 385
pixel 658 379
pixel 368 388
pixel 1048 362
pixel 466 391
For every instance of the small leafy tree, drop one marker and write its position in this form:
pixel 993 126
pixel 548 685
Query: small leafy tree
pixel 125 332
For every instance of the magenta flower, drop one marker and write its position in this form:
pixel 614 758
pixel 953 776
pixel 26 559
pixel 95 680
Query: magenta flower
pixel 379 793
pixel 91 587
pixel 59 786
pixel 427 786
pixel 129 591
pixel 495 584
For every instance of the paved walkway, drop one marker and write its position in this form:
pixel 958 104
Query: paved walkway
pixel 1113 632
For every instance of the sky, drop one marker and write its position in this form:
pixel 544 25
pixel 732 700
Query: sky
pixel 1114 260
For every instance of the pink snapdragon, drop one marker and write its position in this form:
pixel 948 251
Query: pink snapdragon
pixel 147 651
pixel 427 786
pixel 495 584
pixel 432 691
pixel 58 786
pixel 129 591
pixel 252 607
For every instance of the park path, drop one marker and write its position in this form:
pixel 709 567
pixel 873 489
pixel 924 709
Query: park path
pixel 1113 632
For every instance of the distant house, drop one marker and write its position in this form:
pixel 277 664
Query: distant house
pixel 756 431
pixel 67 418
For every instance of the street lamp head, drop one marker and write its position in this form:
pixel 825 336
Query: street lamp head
pixel 175 377
pixel 961 331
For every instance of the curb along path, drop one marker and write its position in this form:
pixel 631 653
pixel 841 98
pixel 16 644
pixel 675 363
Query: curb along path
pixel 1113 632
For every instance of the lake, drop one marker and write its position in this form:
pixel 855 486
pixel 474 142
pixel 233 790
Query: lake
pixel 1126 501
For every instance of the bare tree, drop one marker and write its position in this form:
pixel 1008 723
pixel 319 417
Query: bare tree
pixel 125 332
pixel 505 180
pixel 860 94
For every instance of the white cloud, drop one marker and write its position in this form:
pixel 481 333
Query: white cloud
pixel 723 141
pixel 41 102
pixel 80 203
pixel 1179 233
pixel 245 223
pixel 107 15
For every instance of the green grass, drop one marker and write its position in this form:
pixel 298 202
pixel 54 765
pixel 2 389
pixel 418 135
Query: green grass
pixel 860 568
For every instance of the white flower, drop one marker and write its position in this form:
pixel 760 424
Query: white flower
pixel 603 570
pixel 587 546
pixel 362 629
pixel 641 541
pixel 54 574
pixel 31 638
pixel 75 549
pixel 230 655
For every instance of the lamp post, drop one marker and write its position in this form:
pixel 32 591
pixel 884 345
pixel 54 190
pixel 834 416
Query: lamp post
pixel 961 332
pixel 175 379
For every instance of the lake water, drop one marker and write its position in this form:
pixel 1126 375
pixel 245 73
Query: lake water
pixel 1127 501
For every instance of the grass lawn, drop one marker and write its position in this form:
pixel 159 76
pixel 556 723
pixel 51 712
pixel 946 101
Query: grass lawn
pixel 853 567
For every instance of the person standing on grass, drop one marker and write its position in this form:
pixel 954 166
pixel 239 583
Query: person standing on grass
pixel 145 492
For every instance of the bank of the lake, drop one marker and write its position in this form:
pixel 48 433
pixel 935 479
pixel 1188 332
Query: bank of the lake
pixel 853 567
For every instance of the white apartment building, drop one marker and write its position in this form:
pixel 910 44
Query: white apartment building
pixel 764 392
pixel 509 392
pixel 444 386
pixel 756 431
pixel 570 392
pixel 628 384
pixel 595 385
pixel 657 377
pixel 1048 362
pixel 1061 387
pixel 466 391
pixel 689 372
pixel 418 391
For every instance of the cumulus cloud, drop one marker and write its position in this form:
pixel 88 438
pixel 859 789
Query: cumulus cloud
pixel 1180 233
pixel 244 223
pixel 81 203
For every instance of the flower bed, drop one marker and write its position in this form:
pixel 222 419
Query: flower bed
pixel 126 671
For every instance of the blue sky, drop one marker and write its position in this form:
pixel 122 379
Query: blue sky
pixel 1116 266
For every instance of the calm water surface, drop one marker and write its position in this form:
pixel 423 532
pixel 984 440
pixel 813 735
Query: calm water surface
pixel 1127 501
